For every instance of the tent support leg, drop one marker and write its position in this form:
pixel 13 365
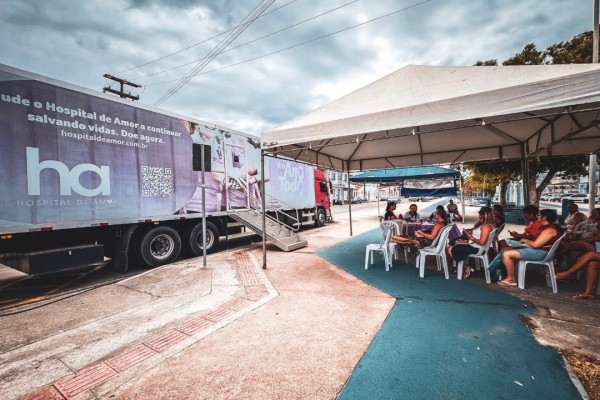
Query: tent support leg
pixel 349 196
pixel 525 175
pixel 264 208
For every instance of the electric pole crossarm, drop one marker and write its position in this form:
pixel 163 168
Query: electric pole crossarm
pixel 122 83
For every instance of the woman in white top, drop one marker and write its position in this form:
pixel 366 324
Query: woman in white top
pixel 476 239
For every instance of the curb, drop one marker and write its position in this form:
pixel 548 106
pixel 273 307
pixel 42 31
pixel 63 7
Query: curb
pixel 104 377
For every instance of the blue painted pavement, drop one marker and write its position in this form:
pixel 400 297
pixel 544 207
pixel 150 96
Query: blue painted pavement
pixel 447 339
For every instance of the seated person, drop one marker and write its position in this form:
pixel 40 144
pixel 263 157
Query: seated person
pixel 432 216
pixel 574 217
pixel 592 261
pixel 577 243
pixel 389 211
pixel 422 238
pixel 532 226
pixel 412 215
pixel 498 212
pixel 533 250
pixel 461 250
pixel 464 237
pixel 453 209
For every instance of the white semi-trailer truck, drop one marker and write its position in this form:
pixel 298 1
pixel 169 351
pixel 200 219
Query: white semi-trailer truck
pixel 88 176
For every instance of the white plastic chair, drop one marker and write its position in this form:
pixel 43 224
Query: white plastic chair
pixel 383 246
pixel 400 228
pixel 437 249
pixel 480 256
pixel 498 232
pixel 548 261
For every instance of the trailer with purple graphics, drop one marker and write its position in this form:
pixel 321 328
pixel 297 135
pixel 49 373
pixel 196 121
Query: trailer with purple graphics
pixel 88 176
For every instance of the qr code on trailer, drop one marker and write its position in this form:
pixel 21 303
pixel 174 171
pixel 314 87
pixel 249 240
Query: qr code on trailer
pixel 156 181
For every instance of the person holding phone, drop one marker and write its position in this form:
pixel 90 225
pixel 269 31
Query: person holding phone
pixel 532 250
pixel 477 238
pixel 532 228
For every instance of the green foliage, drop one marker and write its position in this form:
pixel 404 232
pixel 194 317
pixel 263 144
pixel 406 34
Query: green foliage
pixel 575 51
pixel 528 56
pixel 488 63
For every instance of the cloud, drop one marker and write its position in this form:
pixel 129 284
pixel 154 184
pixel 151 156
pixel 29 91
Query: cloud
pixel 259 85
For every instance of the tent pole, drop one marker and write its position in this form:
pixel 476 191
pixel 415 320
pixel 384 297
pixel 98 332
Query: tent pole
pixel 592 183
pixel 264 208
pixel 462 198
pixel 592 167
pixel 525 175
pixel 349 196
pixel 377 197
pixel 596 35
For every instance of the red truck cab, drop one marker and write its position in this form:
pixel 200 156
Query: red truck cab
pixel 322 200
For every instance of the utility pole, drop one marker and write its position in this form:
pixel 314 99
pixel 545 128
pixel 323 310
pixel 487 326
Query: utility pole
pixel 592 168
pixel 121 92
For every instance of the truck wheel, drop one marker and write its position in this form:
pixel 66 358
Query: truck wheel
pixel 193 238
pixel 160 246
pixel 320 217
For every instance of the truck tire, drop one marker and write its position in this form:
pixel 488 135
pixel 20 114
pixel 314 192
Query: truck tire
pixel 160 246
pixel 320 218
pixel 193 238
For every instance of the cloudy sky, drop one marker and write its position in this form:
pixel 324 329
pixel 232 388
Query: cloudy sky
pixel 299 55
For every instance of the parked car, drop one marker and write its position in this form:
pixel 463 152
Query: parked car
pixel 358 200
pixel 476 201
pixel 393 199
pixel 580 198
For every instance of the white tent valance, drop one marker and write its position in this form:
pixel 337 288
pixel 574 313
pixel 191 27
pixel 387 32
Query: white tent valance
pixel 421 115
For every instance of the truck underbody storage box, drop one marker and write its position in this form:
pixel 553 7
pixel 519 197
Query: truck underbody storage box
pixel 54 260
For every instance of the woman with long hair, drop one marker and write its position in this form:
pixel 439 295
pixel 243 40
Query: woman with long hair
pixel 533 249
pixel 424 238
pixel 477 238
pixel 389 211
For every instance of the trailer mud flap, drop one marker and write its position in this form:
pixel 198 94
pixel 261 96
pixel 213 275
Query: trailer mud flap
pixel 121 258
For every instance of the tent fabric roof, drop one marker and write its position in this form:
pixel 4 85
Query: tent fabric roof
pixel 400 174
pixel 423 115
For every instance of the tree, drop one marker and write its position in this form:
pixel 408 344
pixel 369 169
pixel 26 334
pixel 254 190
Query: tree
pixel 576 50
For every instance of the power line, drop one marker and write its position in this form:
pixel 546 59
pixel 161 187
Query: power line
pixel 199 43
pixel 220 47
pixel 255 40
pixel 303 43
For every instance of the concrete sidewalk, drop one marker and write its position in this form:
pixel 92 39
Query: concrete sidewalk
pixel 232 330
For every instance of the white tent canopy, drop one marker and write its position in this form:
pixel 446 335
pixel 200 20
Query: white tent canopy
pixel 422 115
